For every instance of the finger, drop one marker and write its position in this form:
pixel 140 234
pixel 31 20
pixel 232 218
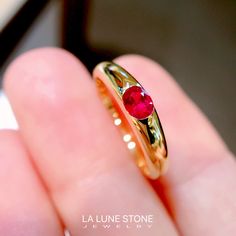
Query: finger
pixel 75 146
pixel 24 206
pixel 202 172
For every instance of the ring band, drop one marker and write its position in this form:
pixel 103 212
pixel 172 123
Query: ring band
pixel 134 113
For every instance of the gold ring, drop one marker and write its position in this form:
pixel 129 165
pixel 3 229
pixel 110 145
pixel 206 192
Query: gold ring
pixel 134 113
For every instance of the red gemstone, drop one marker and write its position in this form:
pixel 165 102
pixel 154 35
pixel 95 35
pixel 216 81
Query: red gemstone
pixel 137 102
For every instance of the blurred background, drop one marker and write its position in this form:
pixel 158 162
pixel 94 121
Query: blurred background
pixel 194 40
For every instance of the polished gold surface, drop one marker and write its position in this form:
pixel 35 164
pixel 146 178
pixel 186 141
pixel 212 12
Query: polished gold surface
pixel 144 138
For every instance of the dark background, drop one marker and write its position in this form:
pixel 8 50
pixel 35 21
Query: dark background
pixel 194 40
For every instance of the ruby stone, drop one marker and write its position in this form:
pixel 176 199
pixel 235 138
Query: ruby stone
pixel 137 102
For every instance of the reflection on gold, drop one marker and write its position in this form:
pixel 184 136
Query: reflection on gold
pixel 127 137
pixel 131 145
pixel 117 121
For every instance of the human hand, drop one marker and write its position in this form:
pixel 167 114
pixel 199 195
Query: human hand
pixel 68 160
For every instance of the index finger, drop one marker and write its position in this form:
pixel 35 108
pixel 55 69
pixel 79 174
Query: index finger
pixel 202 171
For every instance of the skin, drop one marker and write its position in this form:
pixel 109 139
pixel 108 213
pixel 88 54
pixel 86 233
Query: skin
pixel 68 159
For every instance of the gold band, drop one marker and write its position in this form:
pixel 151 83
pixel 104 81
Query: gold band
pixel 144 137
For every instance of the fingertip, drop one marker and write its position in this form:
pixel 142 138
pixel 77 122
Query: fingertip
pixel 41 64
pixel 7 138
pixel 26 60
pixel 39 77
